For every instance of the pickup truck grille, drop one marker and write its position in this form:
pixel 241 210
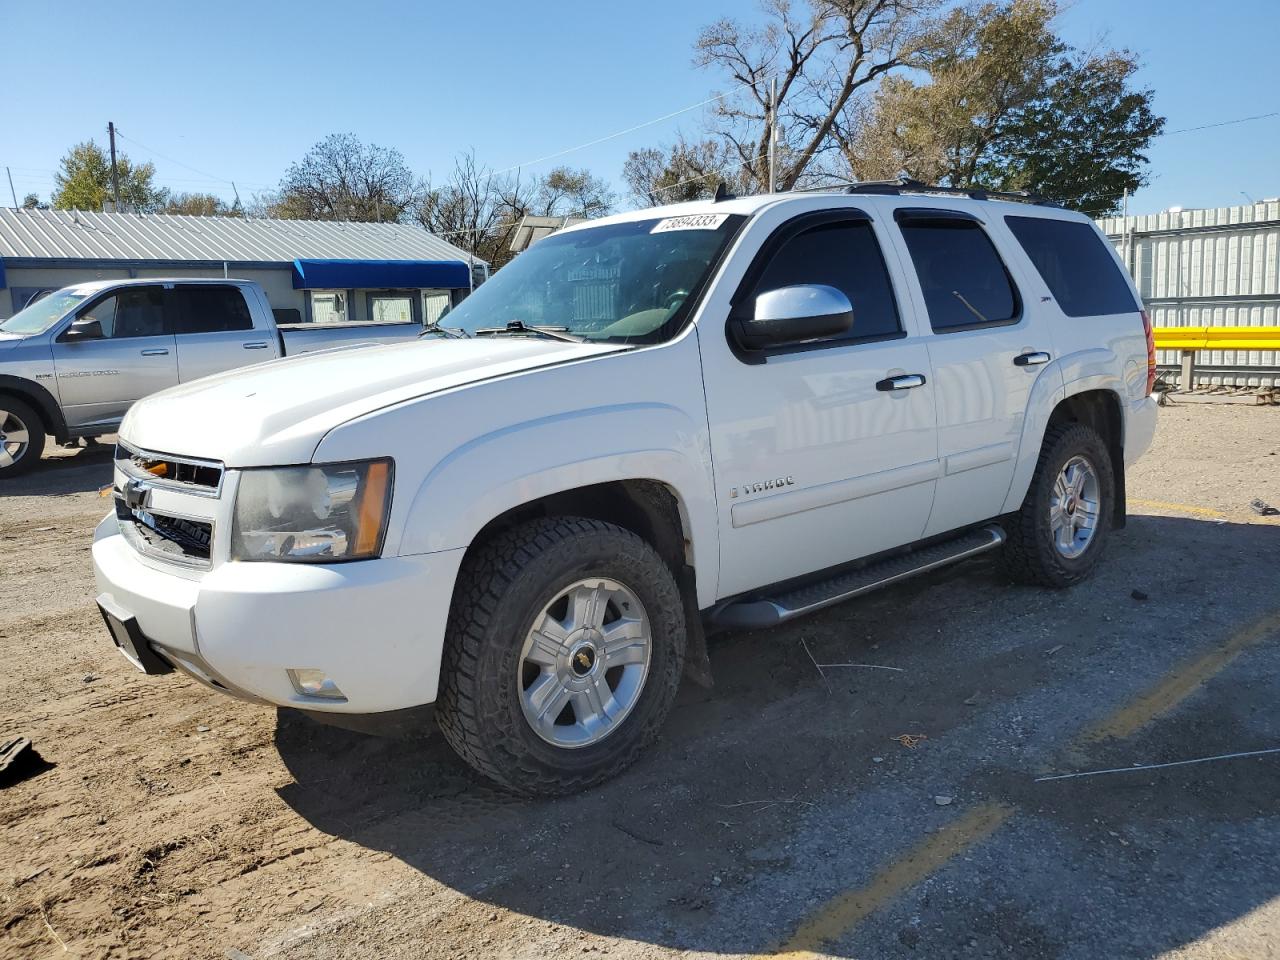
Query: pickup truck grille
pixel 162 469
pixel 174 538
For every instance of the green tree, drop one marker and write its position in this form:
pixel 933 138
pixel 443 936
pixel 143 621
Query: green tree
pixel 83 181
pixel 201 205
pixel 32 202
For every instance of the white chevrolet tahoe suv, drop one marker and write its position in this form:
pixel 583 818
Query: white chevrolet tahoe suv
pixel 718 414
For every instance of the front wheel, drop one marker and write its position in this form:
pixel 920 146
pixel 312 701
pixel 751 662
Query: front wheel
pixel 1057 537
pixel 21 437
pixel 564 652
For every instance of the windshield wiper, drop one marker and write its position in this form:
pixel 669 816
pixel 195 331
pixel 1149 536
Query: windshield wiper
pixel 434 327
pixel 519 326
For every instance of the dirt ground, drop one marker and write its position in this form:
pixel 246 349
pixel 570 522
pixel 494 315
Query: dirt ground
pixel 782 811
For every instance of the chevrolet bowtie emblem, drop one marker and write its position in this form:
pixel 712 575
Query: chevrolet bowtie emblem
pixel 136 494
pixel 583 659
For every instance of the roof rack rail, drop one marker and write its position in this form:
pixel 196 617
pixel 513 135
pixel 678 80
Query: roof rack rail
pixel 907 185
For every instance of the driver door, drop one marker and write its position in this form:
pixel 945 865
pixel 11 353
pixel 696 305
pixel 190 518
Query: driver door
pixel 819 457
pixel 98 379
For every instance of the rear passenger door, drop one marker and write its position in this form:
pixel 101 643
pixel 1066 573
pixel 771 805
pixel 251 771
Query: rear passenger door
pixel 214 330
pixel 987 347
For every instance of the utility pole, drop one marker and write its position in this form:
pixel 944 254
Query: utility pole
pixel 13 193
pixel 115 174
pixel 773 133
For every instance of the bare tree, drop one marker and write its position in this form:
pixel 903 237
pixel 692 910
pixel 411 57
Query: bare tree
pixel 820 53
pixel 475 209
pixel 684 171
pixel 342 178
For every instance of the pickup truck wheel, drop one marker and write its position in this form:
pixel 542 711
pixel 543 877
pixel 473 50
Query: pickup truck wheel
pixel 1058 536
pixel 21 437
pixel 564 653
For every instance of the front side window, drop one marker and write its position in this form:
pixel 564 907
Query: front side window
pixel 1075 265
pixel 964 281
pixel 199 309
pixel 844 255
pixel 135 312
pixel 632 282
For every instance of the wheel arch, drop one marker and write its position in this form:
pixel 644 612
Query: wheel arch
pixel 40 399
pixel 1095 406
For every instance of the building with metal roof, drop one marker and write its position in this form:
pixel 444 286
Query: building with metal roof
pixel 312 271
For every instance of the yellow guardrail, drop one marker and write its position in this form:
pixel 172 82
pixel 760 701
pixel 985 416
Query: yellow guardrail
pixel 1217 338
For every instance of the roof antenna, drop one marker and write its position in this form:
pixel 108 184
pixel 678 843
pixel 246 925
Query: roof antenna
pixel 722 193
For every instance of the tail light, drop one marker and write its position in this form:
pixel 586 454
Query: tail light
pixel 1151 352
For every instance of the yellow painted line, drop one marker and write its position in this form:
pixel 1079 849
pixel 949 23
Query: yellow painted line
pixel 845 911
pixel 1175 507
pixel 849 909
pixel 1182 682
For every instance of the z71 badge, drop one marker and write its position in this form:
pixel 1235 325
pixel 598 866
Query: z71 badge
pixel 763 485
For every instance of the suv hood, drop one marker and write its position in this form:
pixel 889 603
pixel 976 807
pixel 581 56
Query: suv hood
pixel 276 413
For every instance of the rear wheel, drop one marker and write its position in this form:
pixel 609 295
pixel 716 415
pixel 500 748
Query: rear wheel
pixel 565 648
pixel 21 437
pixel 1058 536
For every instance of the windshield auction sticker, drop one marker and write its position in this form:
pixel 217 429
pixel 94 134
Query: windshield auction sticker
pixel 693 221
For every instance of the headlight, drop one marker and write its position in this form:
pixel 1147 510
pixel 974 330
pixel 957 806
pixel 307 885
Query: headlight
pixel 320 514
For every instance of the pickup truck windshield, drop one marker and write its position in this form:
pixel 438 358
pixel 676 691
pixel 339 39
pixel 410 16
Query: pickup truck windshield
pixel 43 314
pixel 619 283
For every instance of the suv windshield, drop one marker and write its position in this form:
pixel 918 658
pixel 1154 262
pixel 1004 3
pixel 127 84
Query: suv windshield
pixel 43 314
pixel 618 283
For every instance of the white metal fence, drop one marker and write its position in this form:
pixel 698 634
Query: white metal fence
pixel 1211 268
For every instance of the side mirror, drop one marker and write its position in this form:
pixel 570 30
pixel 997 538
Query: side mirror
pixel 807 311
pixel 86 328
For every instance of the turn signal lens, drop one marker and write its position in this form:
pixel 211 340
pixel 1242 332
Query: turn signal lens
pixel 1151 353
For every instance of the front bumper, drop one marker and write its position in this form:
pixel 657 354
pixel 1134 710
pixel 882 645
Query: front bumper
pixel 376 627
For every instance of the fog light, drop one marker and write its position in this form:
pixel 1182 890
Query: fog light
pixel 315 683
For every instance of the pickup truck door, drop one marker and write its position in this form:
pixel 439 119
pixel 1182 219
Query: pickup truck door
pixel 827 451
pixel 987 347
pixel 215 329
pixel 99 379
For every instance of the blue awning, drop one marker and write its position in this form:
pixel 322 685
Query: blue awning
pixel 1 274
pixel 379 274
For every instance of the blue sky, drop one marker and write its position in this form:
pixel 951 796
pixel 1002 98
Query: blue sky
pixel 237 90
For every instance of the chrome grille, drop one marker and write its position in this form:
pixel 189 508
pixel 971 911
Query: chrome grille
pixel 173 538
pixel 203 477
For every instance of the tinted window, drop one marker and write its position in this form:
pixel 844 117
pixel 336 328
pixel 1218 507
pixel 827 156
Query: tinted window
pixel 136 312
pixel 963 278
pixel 287 315
pixel 209 309
pixel 1075 264
pixel 844 255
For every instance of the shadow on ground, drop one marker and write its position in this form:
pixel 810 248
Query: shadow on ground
pixel 780 788
pixel 63 471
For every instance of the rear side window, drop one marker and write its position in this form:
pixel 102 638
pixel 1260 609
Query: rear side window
pixel 844 255
pixel 198 309
pixel 1075 265
pixel 964 281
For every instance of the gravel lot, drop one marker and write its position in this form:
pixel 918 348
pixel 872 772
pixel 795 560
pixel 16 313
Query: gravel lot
pixel 783 810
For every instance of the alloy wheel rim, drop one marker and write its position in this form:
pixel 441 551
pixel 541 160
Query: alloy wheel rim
pixel 14 438
pixel 584 662
pixel 1074 505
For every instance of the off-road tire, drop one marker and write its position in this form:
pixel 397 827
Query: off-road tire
pixel 35 437
pixel 502 586
pixel 1029 555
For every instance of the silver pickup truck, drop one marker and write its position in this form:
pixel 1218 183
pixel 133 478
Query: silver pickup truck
pixel 72 363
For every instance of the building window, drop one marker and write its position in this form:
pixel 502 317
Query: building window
pixel 328 306
pixel 435 303
pixel 391 307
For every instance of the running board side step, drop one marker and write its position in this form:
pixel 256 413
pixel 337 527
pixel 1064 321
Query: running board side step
pixel 770 611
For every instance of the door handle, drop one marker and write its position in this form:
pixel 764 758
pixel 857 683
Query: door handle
pixel 256 345
pixel 155 353
pixel 904 382
pixel 1032 359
